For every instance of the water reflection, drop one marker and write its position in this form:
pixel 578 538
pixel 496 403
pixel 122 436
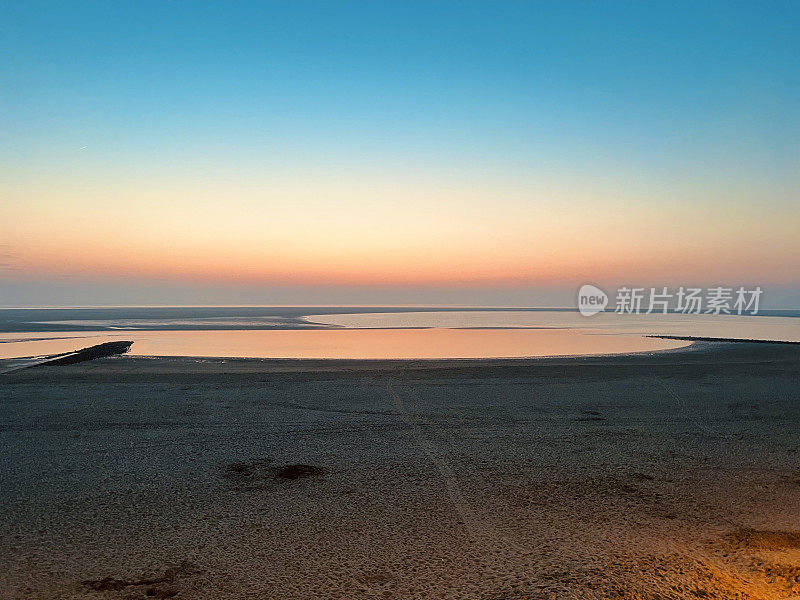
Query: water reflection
pixel 349 343
pixel 723 326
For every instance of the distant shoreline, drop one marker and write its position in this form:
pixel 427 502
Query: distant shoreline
pixel 693 338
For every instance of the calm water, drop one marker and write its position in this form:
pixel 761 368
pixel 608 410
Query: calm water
pixel 723 326
pixel 349 343
pixel 366 332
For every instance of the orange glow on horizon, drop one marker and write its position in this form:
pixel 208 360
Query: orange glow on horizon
pixel 395 269
pixel 332 232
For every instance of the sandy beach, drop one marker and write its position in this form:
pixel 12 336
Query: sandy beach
pixel 669 475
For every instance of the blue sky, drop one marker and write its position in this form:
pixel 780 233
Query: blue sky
pixel 672 103
pixel 452 81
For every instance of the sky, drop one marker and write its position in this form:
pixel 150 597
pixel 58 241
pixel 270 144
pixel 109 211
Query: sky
pixel 297 152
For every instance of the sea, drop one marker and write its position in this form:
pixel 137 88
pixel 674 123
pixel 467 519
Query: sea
pixel 27 335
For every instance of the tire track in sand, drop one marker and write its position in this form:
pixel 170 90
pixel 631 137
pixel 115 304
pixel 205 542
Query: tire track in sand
pixel 479 529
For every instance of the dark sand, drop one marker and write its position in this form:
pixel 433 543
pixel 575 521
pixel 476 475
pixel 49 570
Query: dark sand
pixel 675 475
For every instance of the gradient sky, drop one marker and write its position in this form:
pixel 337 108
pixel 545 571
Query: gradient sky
pixel 188 152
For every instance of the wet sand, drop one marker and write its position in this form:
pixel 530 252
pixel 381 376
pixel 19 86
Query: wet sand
pixel 672 475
